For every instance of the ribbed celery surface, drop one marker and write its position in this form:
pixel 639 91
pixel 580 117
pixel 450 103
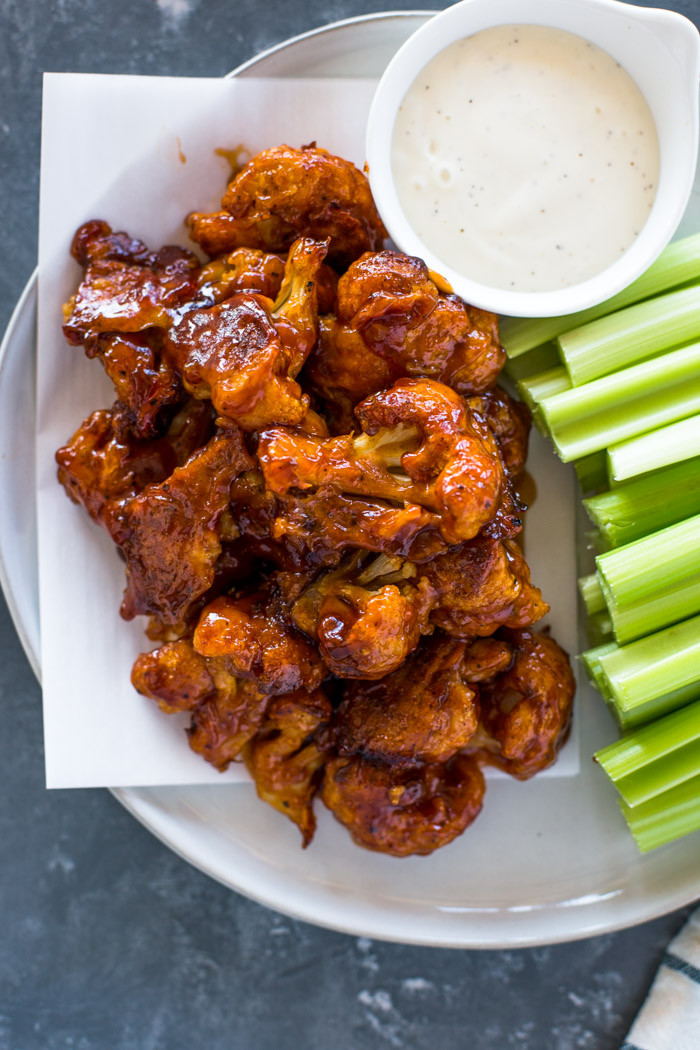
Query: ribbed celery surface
pixel 637 675
pixel 657 563
pixel 540 359
pixel 678 264
pixel 659 448
pixel 592 594
pixel 665 817
pixel 645 505
pixel 616 408
pixel 542 385
pixel 631 335
pixel 660 609
pixel 592 472
pixel 656 757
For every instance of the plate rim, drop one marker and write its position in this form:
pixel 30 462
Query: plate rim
pixel 140 806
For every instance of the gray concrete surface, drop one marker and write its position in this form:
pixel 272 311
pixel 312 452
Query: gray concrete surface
pixel 107 940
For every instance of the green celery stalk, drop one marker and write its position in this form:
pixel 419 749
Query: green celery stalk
pixel 659 448
pixel 599 628
pixel 631 335
pixel 636 572
pixel 637 674
pixel 661 738
pixel 592 472
pixel 630 622
pixel 678 263
pixel 591 660
pixel 617 408
pixel 592 594
pixel 647 504
pixel 570 403
pixel 656 757
pixel 542 359
pixel 536 388
pixel 665 817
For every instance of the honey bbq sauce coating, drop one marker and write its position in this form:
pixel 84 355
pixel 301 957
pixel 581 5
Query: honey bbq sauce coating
pixel 309 471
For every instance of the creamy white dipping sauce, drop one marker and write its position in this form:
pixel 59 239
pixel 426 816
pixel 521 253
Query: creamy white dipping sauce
pixel 525 158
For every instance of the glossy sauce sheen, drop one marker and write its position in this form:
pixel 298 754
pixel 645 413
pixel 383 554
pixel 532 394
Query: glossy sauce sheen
pixel 525 158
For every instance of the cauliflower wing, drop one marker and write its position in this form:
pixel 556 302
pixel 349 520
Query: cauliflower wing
pixel 125 287
pixel 323 525
pixel 420 445
pixel 285 757
pixel 526 711
pixel 399 323
pixel 284 193
pixel 254 635
pixel 226 713
pixel 424 712
pixel 145 384
pixel 481 586
pixel 509 421
pixel 101 463
pixel 245 352
pixel 366 616
pixel 403 811
pixel 170 533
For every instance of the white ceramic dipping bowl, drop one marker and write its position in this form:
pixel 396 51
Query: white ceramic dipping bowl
pixel 661 52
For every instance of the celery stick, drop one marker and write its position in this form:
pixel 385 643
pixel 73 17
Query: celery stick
pixel 620 424
pixel 654 709
pixel 599 628
pixel 542 359
pixel 542 385
pixel 637 508
pixel 678 263
pixel 665 772
pixel 665 817
pixel 631 335
pixel 592 662
pixel 658 448
pixel 592 472
pixel 663 737
pixel 569 404
pixel 587 419
pixel 678 602
pixel 592 594
pixel 646 670
pixel 631 574
pixel 662 775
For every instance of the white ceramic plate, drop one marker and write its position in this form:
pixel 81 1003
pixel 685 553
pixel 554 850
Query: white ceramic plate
pixel 550 860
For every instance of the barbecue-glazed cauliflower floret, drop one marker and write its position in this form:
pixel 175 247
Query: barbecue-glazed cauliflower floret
pixel 226 712
pixel 101 463
pixel 284 193
pixel 286 756
pixel 481 586
pixel 509 421
pixel 526 711
pixel 245 352
pixel 258 641
pixel 403 811
pixel 419 445
pixel 423 712
pixel 399 322
pixel 170 533
pixel 324 524
pixel 125 287
pixel 366 616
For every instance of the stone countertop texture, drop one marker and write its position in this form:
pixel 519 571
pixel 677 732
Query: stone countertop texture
pixel 108 941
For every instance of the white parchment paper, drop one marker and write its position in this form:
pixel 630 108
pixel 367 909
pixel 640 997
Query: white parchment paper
pixel 139 153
